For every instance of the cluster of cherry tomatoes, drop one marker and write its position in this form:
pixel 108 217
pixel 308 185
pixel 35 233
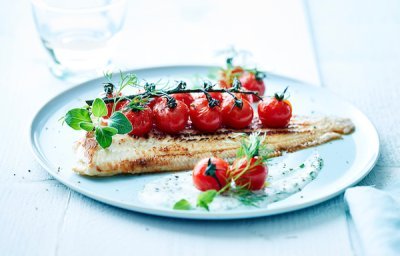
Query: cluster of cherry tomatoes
pixel 250 80
pixel 215 173
pixel 208 112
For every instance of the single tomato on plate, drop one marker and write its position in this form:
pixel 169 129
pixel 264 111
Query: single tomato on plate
pixel 275 112
pixel 210 173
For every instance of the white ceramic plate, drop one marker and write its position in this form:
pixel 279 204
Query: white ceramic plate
pixel 346 161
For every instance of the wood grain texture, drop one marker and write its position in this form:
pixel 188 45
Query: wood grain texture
pixel 357 45
pixel 31 217
pixel 357 50
pixel 132 232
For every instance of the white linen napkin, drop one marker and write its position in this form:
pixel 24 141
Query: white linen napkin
pixel 376 217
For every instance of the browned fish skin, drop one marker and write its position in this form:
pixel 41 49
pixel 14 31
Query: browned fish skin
pixel 159 152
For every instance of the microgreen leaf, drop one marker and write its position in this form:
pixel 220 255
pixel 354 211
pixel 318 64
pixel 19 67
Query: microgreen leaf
pixel 120 122
pixel 86 126
pixel 103 136
pixel 182 204
pixel 77 115
pixel 111 130
pixel 99 108
pixel 205 198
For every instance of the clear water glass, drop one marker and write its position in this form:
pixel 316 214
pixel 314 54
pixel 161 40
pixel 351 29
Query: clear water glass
pixel 79 35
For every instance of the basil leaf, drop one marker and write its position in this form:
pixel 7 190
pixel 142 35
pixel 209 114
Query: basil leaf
pixel 205 198
pixel 76 116
pixel 103 137
pixel 99 108
pixel 182 204
pixel 120 122
pixel 110 130
pixel 86 126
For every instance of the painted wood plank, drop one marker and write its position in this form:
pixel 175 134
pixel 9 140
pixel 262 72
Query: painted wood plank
pixel 31 217
pixel 357 44
pixel 91 228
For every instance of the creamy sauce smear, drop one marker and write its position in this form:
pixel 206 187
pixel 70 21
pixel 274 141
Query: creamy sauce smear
pixel 282 182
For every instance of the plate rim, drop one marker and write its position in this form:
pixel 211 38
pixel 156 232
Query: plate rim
pixel 256 213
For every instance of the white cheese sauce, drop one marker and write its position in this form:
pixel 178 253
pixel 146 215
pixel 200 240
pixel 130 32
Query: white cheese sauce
pixel 282 182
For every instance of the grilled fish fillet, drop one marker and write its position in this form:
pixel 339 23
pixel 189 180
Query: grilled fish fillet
pixel 159 152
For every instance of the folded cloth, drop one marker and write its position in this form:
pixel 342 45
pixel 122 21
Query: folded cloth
pixel 376 217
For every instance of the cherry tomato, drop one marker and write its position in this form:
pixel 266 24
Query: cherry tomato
pixel 170 117
pixel 275 112
pixel 215 95
pixel 204 117
pixel 235 116
pixel 110 105
pixel 141 120
pixel 226 76
pixel 253 82
pixel 211 173
pixel 253 178
pixel 240 96
pixel 119 106
pixel 153 102
pixel 185 97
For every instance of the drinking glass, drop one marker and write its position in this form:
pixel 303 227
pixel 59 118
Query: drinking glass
pixel 79 34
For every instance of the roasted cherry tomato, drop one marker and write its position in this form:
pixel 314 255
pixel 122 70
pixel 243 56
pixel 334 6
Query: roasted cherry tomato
pixel 210 173
pixel 170 115
pixel 247 97
pixel 275 112
pixel 185 97
pixel 141 120
pixel 215 95
pixel 250 174
pixel 206 116
pixel 119 106
pixel 227 75
pixel 253 81
pixel 236 113
pixel 153 101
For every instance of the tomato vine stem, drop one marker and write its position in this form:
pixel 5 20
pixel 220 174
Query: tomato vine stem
pixel 178 89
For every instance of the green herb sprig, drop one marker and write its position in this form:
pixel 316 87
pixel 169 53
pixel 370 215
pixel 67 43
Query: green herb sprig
pixel 89 119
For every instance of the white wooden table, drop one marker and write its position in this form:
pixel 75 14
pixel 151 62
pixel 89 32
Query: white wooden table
pixel 357 56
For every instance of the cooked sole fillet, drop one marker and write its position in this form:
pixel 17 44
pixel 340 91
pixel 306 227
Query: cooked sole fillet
pixel 159 152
